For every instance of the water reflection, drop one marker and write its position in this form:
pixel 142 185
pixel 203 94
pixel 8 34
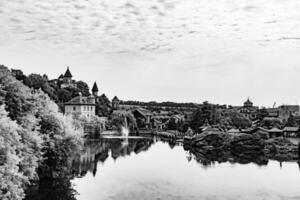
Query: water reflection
pixel 97 152
pixel 162 169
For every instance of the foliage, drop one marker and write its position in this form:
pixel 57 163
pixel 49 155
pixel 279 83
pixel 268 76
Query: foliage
pixel 103 106
pixel 83 88
pixel 269 122
pixel 291 121
pixel 233 118
pixel 33 133
pixel 120 118
pixel 206 112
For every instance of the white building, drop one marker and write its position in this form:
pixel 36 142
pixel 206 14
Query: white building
pixel 81 106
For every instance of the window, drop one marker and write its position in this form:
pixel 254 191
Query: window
pixel 74 108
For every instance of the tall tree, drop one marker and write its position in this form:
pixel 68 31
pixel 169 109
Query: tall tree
pixel 83 88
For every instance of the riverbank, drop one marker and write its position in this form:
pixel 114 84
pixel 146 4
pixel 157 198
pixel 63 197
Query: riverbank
pixel 220 146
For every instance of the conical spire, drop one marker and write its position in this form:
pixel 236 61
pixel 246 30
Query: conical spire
pixel 68 74
pixel 95 88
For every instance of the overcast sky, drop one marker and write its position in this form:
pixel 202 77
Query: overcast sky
pixel 222 51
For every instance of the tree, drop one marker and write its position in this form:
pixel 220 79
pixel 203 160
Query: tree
pixel 83 88
pixel 236 119
pixel 262 113
pixel 64 95
pixel 18 74
pixel 269 122
pixel 32 133
pixel 291 121
pixel 35 81
pixel 103 106
pixel 206 112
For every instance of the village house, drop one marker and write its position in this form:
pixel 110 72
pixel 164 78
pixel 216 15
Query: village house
pixel 81 106
pixel 248 110
pixel 291 131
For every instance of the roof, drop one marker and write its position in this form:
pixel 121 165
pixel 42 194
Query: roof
pixel 248 101
pixel 95 88
pixel 68 74
pixel 233 130
pixel 61 76
pixel 80 100
pixel 291 129
pixel 115 98
pixel 142 111
pixel 275 130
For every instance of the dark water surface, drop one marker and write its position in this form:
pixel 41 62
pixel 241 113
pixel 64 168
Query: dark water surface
pixel 135 169
pixel 145 170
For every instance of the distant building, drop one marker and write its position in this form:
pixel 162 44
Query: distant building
pixel 115 103
pixel 248 110
pixel 81 106
pixel 66 80
pixel 95 90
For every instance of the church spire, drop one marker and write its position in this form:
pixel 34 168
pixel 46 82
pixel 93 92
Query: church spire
pixel 95 89
pixel 68 73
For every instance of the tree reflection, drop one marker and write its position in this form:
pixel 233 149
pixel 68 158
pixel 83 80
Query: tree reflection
pixel 208 157
pixel 96 152
pixel 52 189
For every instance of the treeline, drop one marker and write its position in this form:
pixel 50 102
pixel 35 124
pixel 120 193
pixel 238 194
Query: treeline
pixel 51 88
pixel 33 133
pixel 160 104
pixel 62 95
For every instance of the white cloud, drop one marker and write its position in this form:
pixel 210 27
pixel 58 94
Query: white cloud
pixel 229 45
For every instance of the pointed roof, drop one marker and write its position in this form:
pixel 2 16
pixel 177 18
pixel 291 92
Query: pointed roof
pixel 61 76
pixel 68 74
pixel 115 98
pixel 95 88
pixel 248 101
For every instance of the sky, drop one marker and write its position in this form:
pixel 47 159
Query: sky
pixel 223 51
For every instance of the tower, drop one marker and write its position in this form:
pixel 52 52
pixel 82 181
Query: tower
pixel 115 103
pixel 68 76
pixel 95 89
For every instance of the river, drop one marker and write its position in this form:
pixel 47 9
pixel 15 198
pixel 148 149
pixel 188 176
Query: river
pixel 150 169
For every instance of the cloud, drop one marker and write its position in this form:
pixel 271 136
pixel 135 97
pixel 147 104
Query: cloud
pixel 193 36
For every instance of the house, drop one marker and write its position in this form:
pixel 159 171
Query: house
pixel 143 117
pixel 291 131
pixel 115 103
pixel 81 106
pixel 275 132
pixel 248 110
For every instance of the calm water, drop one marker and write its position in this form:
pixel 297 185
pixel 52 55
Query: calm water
pixel 118 169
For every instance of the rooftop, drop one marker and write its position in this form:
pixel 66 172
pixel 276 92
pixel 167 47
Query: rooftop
pixel 80 100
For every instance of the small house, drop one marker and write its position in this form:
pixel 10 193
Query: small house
pixel 81 106
pixel 275 132
pixel 290 131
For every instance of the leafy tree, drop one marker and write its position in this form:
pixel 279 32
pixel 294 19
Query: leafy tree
pixel 18 74
pixel 64 95
pixel 73 91
pixel 83 88
pixel 235 119
pixel 32 132
pixel 206 112
pixel 103 106
pixel 291 121
pixel 35 81
pixel 262 113
pixel 269 122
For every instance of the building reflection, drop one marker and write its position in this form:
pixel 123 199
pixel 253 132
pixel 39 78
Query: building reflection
pixel 98 152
